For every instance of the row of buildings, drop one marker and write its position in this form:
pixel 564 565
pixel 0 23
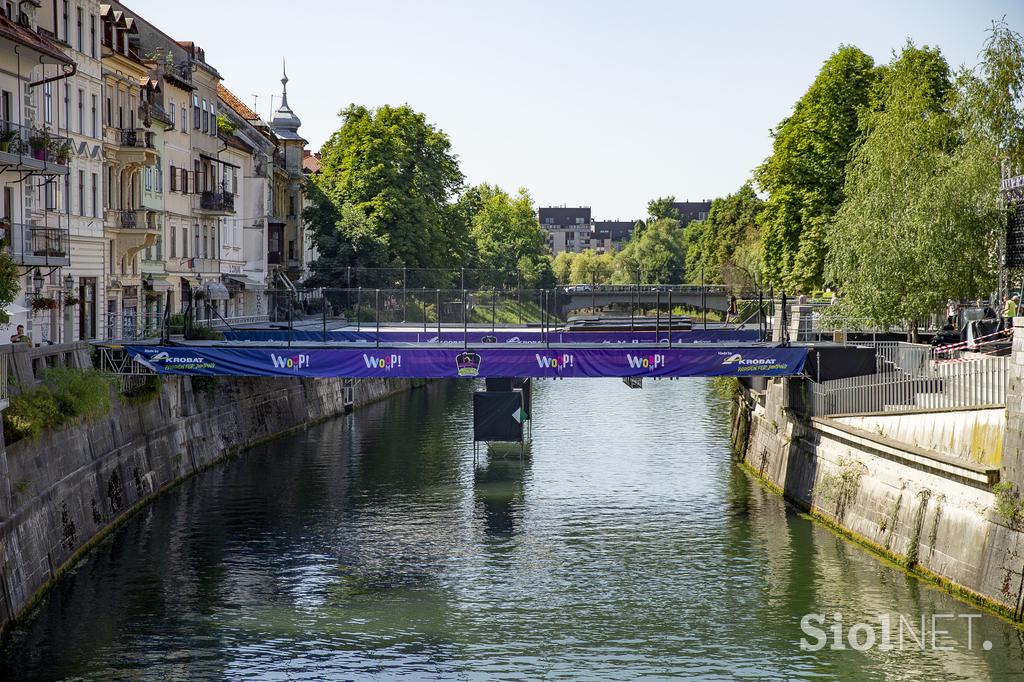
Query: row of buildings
pixel 134 183
pixel 572 228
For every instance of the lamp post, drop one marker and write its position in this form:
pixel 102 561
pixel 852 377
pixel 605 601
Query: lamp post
pixel 69 287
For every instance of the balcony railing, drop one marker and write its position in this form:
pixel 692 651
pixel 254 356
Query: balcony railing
pixel 133 219
pixel 135 137
pixel 39 245
pixel 35 144
pixel 217 201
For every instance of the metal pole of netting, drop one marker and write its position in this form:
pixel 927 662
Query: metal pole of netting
pixel 657 316
pixel 403 294
pixel 547 317
pixel 519 296
pixel 494 295
pixel 437 312
pixel 359 300
pixel 348 286
pixel 376 314
pixel 703 299
pixel 669 318
pixel 760 314
pixel 291 305
pixel 423 303
pixel 323 310
pixel 465 317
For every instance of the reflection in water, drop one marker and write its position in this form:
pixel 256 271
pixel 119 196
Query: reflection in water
pixel 372 546
pixel 498 491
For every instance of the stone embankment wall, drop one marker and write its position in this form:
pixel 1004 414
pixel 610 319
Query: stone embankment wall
pixel 70 486
pixel 933 510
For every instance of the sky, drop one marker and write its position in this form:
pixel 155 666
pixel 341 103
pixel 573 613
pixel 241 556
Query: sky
pixel 583 103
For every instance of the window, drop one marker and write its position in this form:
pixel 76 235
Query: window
pixel 195 112
pixel 67 194
pixel 195 248
pixel 206 244
pixel 48 102
pixel 50 191
pixel 184 181
pixel 159 175
pixel 213 119
pixel 196 188
pixel 291 249
pixel 95 193
pixel 174 178
pixel 108 119
pixel 92 36
pixel 206 119
pixel 81 111
pixel 579 221
pixel 184 119
pixel 81 46
pixel 67 105
pixel 66 37
pixel 93 116
pixel 184 242
pixel 148 178
pixel 172 109
pixel 81 193
pixel 291 205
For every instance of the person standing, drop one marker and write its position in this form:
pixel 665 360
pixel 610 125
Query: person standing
pixel 19 335
pixel 1008 313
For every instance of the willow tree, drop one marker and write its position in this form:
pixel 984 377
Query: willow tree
pixel 920 218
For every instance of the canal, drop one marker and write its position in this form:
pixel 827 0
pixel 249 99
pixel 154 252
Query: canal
pixel 627 544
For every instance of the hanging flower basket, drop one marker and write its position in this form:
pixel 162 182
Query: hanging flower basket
pixel 43 303
pixel 70 300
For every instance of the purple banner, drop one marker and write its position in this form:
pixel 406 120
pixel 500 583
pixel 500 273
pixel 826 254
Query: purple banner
pixel 440 363
pixel 475 336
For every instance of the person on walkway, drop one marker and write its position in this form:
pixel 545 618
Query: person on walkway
pixel 801 298
pixel 733 314
pixel 951 312
pixel 1008 313
pixel 19 335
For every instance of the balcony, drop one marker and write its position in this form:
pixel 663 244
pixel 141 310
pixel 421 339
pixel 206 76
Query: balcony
pixel 217 202
pixel 130 146
pixel 33 150
pixel 39 245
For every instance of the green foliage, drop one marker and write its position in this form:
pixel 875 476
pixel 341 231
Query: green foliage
pixel 29 413
pixel 661 209
pixel 148 391
pixel 399 172
pixel 726 246
pixel 805 174
pixel 1008 502
pixel 8 282
pixel 920 220
pixel 81 393
pixel 505 232
pixel 64 396
pixel 203 333
pixel 590 267
pixel 659 253
pixel 224 125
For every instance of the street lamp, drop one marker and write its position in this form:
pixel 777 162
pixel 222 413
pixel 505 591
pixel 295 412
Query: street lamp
pixel 38 281
pixel 69 324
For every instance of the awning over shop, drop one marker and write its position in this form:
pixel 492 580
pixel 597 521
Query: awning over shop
pixel 15 309
pixel 217 291
pixel 246 281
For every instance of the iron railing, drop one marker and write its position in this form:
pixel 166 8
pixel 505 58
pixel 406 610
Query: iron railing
pixel 908 382
pixel 39 245
pixel 217 201
pixel 35 144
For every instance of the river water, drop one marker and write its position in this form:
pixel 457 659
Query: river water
pixel 625 545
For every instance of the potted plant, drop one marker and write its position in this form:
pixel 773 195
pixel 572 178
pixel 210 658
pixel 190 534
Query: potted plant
pixel 60 151
pixel 40 303
pixel 8 138
pixel 38 142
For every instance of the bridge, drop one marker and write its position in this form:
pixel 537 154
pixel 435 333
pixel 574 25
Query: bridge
pixel 587 296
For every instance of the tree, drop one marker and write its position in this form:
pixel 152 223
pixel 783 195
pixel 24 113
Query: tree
pixel 9 285
pixel 805 174
pixel 659 253
pixel 920 219
pixel 591 267
pixel 561 266
pixel 721 245
pixel 505 232
pixel 399 171
pixel 662 209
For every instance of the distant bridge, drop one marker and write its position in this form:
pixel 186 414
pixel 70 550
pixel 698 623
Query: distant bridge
pixel 580 296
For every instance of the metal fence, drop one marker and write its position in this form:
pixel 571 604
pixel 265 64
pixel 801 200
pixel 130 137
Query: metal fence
pixel 908 380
